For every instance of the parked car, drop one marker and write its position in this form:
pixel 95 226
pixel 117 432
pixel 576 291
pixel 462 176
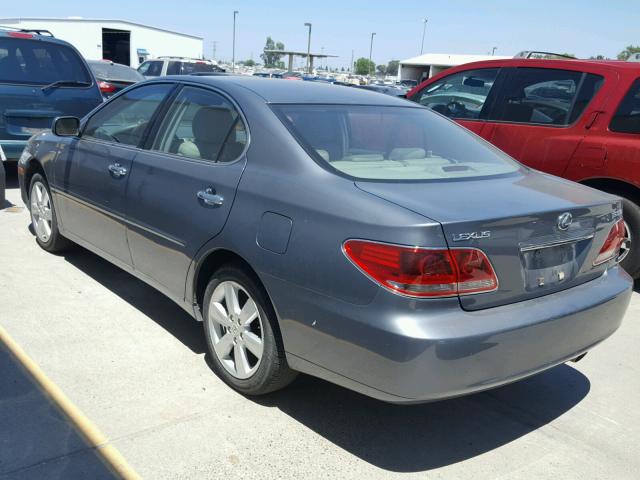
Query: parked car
pixel 578 119
pixel 386 89
pixel 161 66
pixel 292 76
pixel 113 77
pixel 349 235
pixel 41 78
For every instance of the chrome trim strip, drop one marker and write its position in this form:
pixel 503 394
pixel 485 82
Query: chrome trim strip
pixel 528 248
pixel 117 217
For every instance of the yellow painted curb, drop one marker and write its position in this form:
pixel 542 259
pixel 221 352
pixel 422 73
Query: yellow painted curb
pixel 88 430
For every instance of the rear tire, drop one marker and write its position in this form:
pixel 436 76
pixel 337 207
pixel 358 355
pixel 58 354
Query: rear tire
pixel 43 216
pixel 631 214
pixel 242 333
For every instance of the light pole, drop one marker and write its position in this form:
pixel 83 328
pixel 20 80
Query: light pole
pixel 308 48
pixel 371 51
pixel 424 29
pixel 493 51
pixel 233 51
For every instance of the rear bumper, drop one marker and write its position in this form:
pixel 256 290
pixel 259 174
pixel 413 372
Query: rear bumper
pixel 406 351
pixel 12 149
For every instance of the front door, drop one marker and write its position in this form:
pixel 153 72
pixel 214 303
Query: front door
pixel 538 115
pixel 95 169
pixel 182 187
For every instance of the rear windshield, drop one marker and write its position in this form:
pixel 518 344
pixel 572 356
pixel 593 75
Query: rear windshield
pixel 115 71
pixel 33 62
pixel 392 143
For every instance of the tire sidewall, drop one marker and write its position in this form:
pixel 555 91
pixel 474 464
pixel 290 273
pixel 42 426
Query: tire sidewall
pixel 631 215
pixel 264 372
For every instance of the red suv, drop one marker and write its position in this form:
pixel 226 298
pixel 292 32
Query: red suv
pixel 578 119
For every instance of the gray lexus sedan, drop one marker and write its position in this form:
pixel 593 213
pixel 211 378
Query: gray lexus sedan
pixel 333 231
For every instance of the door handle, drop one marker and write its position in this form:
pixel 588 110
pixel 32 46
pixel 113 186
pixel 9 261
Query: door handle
pixel 117 170
pixel 209 197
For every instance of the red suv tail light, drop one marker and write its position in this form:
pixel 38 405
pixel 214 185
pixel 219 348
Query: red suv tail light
pixel 612 245
pixel 423 272
pixel 106 87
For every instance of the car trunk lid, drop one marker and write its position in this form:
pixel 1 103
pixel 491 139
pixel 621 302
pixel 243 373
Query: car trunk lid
pixel 518 222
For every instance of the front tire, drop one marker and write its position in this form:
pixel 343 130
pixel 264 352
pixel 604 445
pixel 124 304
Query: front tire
pixel 242 333
pixel 43 216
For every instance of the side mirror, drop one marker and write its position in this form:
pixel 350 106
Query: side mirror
pixel 66 126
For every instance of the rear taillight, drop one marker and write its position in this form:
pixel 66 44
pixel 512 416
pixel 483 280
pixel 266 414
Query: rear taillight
pixel 612 245
pixel 20 35
pixel 423 272
pixel 106 87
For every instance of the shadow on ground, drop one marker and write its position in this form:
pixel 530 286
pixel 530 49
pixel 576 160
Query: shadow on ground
pixel 395 438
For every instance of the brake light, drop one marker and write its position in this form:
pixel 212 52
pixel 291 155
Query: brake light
pixel 20 35
pixel 613 243
pixel 106 87
pixel 423 272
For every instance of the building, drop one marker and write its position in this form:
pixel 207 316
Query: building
pixel 117 40
pixel 430 64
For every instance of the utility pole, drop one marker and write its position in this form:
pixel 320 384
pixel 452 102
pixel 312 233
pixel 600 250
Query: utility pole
pixel 233 54
pixel 370 52
pixel 308 48
pixel 424 29
pixel 215 46
pixel 351 67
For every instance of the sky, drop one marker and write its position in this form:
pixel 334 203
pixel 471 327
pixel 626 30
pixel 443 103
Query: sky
pixel 583 28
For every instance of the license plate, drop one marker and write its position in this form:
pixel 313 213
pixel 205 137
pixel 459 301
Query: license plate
pixel 547 267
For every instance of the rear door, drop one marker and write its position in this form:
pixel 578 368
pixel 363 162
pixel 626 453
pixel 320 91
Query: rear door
pixel 96 167
pixel 540 114
pixel 464 96
pixel 27 66
pixel 182 188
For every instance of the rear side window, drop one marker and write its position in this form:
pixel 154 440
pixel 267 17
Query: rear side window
pixel 125 119
pixel 187 68
pixel 545 96
pixel 461 95
pixel 627 117
pixel 152 68
pixel 392 143
pixel 202 125
pixel 34 62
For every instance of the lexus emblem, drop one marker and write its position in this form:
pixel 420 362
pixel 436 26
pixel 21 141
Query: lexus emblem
pixel 564 220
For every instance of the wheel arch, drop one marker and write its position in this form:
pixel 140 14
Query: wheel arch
pixel 34 166
pixel 614 186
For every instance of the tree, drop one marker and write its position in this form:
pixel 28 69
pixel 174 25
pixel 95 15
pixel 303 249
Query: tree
pixel 272 59
pixel 364 66
pixel 249 63
pixel 392 67
pixel 382 69
pixel 627 52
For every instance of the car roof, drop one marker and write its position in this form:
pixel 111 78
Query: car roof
pixel 7 32
pixel 550 63
pixel 283 91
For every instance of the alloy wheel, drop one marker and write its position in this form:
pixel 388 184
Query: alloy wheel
pixel 41 216
pixel 236 329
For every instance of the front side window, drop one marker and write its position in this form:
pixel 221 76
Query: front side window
pixel 627 117
pixel 392 143
pixel 39 63
pixel 202 125
pixel 151 68
pixel 125 119
pixel 545 96
pixel 460 95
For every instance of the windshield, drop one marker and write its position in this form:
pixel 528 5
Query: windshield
pixel 115 71
pixel 39 63
pixel 392 143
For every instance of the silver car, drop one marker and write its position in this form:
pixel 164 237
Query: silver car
pixel 334 231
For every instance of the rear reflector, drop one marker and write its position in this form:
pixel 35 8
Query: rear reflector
pixel 613 243
pixel 423 272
